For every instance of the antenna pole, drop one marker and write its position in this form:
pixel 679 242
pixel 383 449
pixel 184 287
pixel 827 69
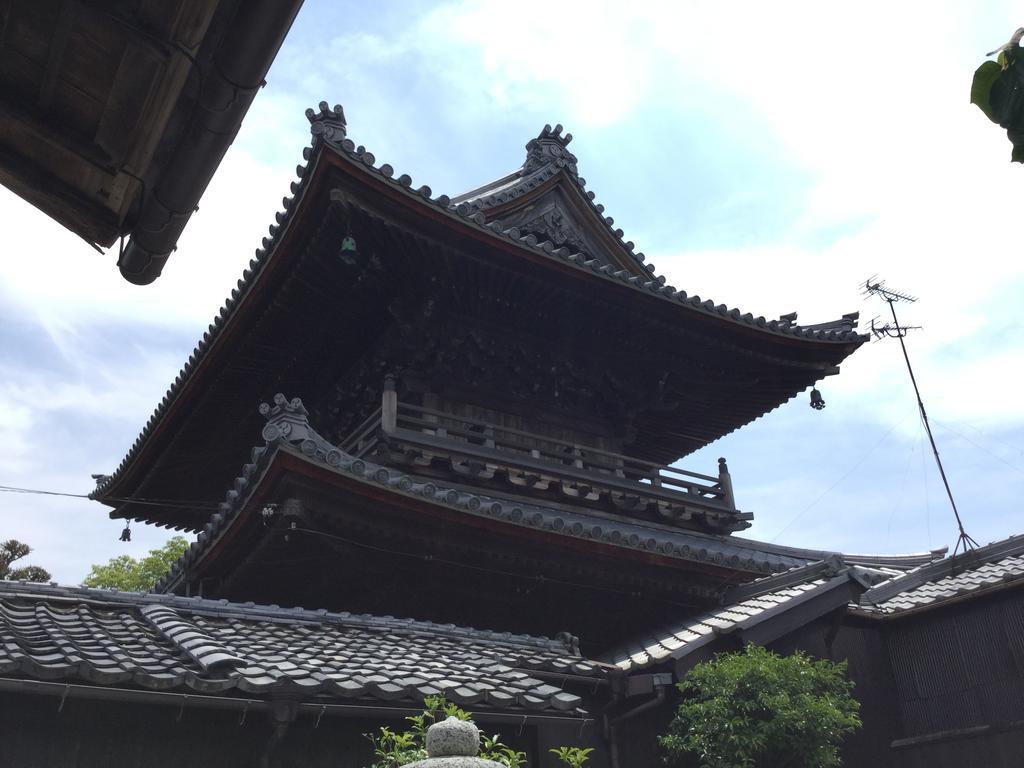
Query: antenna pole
pixel 964 538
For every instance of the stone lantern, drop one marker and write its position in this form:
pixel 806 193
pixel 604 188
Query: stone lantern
pixel 453 743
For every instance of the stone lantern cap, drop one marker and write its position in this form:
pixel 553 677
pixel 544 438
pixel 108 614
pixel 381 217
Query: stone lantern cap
pixel 453 743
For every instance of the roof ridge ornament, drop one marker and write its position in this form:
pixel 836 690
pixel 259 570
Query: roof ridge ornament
pixel 549 148
pixel 328 124
pixel 288 422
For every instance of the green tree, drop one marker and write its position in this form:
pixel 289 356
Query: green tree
pixel 131 575
pixel 755 709
pixel 12 550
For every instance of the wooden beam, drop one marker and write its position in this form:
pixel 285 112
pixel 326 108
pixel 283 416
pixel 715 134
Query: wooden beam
pixel 58 44
pixel 5 20
pixel 58 200
pixel 787 621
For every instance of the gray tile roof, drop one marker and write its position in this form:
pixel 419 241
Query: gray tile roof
pixel 540 167
pixel 547 156
pixel 969 574
pixel 328 128
pixel 288 429
pixel 745 607
pixel 890 588
pixel 333 121
pixel 165 642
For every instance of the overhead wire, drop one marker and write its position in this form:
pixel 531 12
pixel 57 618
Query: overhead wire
pixel 988 436
pixel 383 550
pixel 845 475
pixel 167 503
pixel 903 487
pixel 924 481
pixel 980 447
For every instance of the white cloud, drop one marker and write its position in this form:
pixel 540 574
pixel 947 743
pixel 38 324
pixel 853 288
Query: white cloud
pixel 58 280
pixel 868 101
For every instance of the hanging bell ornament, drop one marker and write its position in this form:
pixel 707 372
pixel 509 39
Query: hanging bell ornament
pixel 349 252
pixel 126 534
pixel 817 401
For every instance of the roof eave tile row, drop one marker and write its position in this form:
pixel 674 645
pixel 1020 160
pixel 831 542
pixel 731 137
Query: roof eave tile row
pixel 272 613
pixel 334 122
pixel 887 593
pixel 530 180
pixel 168 643
pixel 300 436
pixel 995 566
pixel 242 288
pixel 743 608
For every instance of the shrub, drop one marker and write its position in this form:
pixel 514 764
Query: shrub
pixel 755 709
pixel 392 749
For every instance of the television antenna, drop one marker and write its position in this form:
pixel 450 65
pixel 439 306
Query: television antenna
pixel 875 287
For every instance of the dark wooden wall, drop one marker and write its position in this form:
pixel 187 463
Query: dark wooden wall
pixel 102 734
pixel 861 647
pixel 97 734
pixel 942 689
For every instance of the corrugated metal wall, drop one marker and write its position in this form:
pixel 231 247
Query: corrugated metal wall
pixel 960 666
pixel 956 667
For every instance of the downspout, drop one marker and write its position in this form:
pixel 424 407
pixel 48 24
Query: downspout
pixel 611 724
pixel 228 85
pixel 282 714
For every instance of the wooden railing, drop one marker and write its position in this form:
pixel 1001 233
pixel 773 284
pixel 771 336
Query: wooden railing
pixel 536 461
pixel 362 439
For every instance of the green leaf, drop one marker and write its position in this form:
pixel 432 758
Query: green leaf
pixel 131 575
pixel 12 550
pixel 1018 154
pixel 758 709
pixel 981 87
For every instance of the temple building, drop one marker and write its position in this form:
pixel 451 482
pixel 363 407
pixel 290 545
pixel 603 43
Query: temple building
pixel 429 445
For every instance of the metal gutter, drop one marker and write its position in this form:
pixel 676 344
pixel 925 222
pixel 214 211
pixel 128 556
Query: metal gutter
pixel 203 701
pixel 227 87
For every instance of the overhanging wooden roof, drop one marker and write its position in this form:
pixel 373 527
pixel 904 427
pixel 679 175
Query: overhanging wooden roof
pixel 280 328
pixel 114 115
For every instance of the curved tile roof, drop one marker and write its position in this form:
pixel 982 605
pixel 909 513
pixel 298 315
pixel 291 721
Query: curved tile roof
pixel 547 156
pixel 329 132
pixel 745 607
pixel 972 573
pixel 288 429
pixel 164 642
pixel 331 123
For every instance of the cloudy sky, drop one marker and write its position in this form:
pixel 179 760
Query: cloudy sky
pixel 769 155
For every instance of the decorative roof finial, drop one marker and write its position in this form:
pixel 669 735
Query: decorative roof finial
pixel 288 423
pixel 550 147
pixel 283 418
pixel 328 124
